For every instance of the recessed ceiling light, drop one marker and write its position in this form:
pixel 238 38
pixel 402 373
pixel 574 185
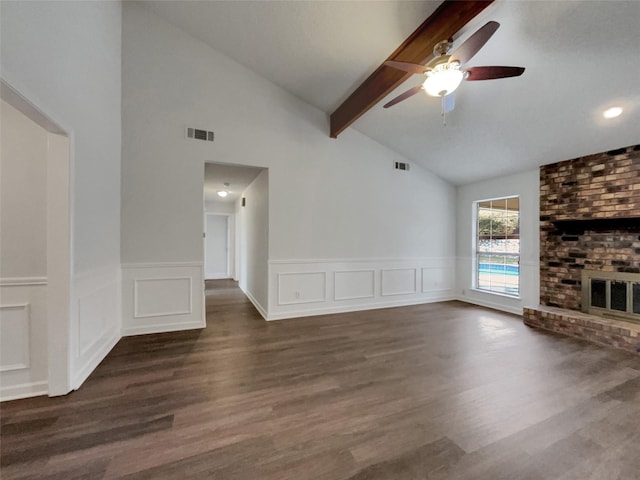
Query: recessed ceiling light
pixel 223 193
pixel 612 112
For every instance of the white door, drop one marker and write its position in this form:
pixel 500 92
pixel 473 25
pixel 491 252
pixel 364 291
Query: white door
pixel 217 247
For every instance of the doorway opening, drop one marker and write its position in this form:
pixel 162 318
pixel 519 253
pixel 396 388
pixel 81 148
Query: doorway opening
pixel 36 259
pixel 235 246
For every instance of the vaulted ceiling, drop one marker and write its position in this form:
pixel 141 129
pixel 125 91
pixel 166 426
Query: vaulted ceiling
pixel 580 57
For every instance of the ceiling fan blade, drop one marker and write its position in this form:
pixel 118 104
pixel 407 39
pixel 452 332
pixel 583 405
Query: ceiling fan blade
pixel 406 67
pixel 449 102
pixel 474 43
pixel 403 96
pixel 489 73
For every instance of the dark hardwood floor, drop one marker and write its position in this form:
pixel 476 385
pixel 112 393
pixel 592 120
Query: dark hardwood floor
pixel 437 391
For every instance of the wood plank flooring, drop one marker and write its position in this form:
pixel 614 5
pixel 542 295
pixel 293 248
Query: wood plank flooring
pixel 437 391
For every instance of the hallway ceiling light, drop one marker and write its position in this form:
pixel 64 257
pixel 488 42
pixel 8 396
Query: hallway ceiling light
pixel 223 193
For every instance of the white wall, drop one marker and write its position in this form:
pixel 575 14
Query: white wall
pixel 219 207
pixel 328 199
pixel 23 190
pixel 254 241
pixel 526 185
pixel 65 57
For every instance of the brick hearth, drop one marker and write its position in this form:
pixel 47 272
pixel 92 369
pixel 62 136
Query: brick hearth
pixel 604 186
pixel 604 331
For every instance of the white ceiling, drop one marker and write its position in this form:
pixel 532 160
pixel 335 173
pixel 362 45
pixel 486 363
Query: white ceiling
pixel 580 57
pixel 238 178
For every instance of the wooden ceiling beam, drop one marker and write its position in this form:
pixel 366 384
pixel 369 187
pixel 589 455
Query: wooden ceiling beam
pixel 450 17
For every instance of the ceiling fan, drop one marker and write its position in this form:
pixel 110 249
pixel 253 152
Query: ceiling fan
pixel 445 72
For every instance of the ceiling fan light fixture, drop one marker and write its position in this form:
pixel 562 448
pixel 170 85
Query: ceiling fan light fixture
pixel 612 112
pixel 222 193
pixel 443 79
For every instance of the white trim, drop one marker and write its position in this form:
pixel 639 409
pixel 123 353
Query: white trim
pixel 361 307
pixel 22 281
pixel 356 297
pixel 318 300
pixel 162 328
pixel 216 276
pixel 100 353
pixel 24 390
pixel 409 292
pixel 353 260
pixel 26 326
pixel 136 313
pixel 492 305
pixel 162 265
pixel 256 304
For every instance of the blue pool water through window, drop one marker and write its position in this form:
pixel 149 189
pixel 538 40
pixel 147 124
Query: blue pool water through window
pixel 497 258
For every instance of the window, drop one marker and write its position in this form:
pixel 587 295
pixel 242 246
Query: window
pixel 498 246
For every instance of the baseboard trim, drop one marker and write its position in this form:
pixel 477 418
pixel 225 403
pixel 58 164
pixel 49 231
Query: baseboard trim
pixel 162 328
pixel 102 351
pixel 25 390
pixel 360 307
pixel 23 281
pixel 256 304
pixel 492 305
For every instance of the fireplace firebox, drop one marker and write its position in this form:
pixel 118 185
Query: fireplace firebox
pixel 611 294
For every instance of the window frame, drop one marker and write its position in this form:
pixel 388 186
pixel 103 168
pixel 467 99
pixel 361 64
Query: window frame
pixel 476 251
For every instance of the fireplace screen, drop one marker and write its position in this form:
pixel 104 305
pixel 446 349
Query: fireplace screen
pixel 611 294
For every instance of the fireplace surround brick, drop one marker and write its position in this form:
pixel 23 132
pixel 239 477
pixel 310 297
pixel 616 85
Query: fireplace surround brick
pixel 605 185
pixel 595 187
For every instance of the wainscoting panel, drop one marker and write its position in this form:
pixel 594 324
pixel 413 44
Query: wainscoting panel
pixel 436 279
pixel 14 337
pixel 23 338
pixel 302 288
pixel 354 284
pixel 95 320
pixel 162 297
pixel 299 288
pixel 159 297
pixel 399 281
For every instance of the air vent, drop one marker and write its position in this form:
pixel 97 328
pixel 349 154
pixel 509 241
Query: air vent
pixel 199 134
pixel 401 166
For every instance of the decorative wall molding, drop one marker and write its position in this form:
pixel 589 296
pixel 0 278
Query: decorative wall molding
pixel 355 260
pixel 305 287
pixel 355 284
pixel 96 319
pixel 162 297
pixel 186 298
pixel 393 283
pixel 15 332
pixel 22 281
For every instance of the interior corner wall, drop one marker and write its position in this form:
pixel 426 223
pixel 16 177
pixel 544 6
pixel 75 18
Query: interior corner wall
pixel 254 242
pixel 65 57
pixel 526 185
pixel 343 224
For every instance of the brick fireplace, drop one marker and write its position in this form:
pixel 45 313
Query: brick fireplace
pixel 589 220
